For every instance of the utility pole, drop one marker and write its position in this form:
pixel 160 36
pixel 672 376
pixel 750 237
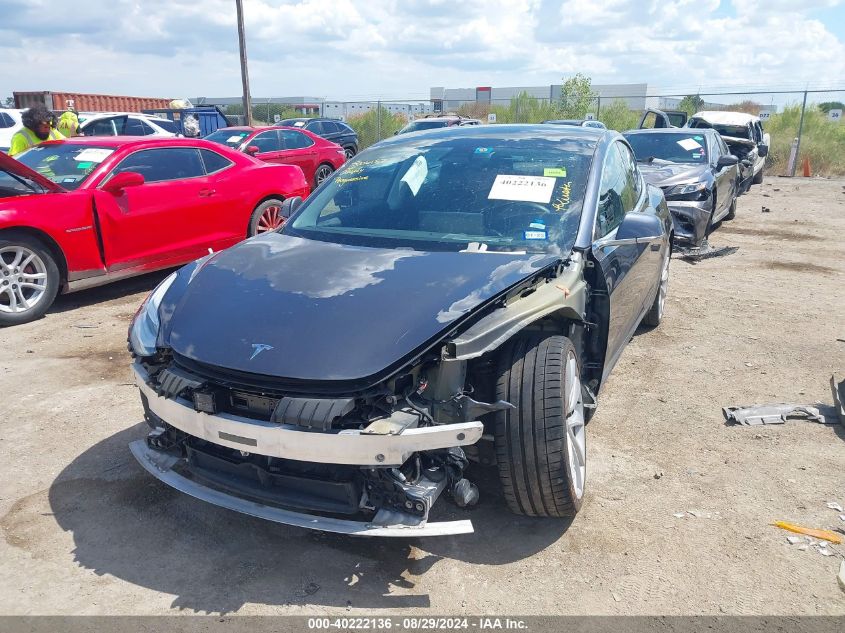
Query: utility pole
pixel 244 71
pixel 798 140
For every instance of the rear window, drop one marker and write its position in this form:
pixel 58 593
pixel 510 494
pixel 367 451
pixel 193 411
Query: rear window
pixel 167 125
pixel 67 164
pixel 228 137
pixel 416 126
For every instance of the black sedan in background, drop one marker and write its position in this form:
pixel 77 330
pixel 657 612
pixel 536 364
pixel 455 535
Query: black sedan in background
pixel 448 296
pixel 698 174
pixel 333 130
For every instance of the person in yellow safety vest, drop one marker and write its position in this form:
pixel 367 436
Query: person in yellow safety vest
pixel 37 127
pixel 68 124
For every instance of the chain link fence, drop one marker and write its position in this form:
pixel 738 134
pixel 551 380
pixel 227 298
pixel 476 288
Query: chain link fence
pixel 815 117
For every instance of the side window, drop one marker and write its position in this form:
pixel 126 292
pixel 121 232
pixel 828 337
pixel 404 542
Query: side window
pixel 146 127
pixel 102 127
pixel 133 127
pixel 614 190
pixel 5 120
pixel 158 165
pixel 317 127
pixel 633 186
pixel 650 121
pixel 213 161
pixel 291 139
pixel 267 142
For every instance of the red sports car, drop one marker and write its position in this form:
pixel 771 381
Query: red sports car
pixel 87 211
pixel 317 157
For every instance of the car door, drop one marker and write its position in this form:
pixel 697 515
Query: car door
pixel 726 177
pixel 300 150
pixel 166 218
pixel 625 265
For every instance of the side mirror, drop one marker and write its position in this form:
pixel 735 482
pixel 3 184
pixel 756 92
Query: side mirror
pixel 289 205
pixel 726 161
pixel 121 181
pixel 252 150
pixel 762 150
pixel 635 228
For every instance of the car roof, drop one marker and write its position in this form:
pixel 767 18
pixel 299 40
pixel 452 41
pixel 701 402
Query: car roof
pixel 128 141
pixel 506 131
pixel 671 130
pixel 725 118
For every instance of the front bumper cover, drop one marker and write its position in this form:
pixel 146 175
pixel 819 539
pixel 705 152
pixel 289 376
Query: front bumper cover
pixel 160 465
pixel 284 441
pixel 690 220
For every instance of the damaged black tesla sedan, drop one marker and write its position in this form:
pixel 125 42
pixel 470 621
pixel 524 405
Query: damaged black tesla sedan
pixel 449 296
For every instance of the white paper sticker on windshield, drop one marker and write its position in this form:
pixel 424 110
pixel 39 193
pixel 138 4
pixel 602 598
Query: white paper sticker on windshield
pixel 522 188
pixel 299 124
pixel 235 139
pixel 689 144
pixel 93 154
pixel 416 174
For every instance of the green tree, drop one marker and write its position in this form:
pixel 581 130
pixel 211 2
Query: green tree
pixel 618 116
pixel 691 104
pixel 576 97
pixel 827 106
pixel 373 126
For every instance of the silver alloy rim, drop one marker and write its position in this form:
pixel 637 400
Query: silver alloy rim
pixel 576 444
pixel 664 285
pixel 323 173
pixel 349 153
pixel 23 279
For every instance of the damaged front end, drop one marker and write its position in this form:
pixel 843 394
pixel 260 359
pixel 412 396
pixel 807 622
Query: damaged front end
pixel 691 206
pixel 369 463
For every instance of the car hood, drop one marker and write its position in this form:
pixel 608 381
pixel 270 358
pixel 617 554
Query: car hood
pixel 301 309
pixel 666 174
pixel 7 163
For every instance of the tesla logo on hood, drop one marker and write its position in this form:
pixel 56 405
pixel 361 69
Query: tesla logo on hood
pixel 257 348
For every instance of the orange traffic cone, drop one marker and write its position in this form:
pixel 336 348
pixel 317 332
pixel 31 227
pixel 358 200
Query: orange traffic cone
pixel 806 167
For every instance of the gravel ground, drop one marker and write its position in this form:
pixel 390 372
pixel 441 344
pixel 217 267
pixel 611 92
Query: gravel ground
pixel 86 531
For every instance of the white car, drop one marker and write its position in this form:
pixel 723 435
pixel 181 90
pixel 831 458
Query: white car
pixel 10 123
pixel 745 137
pixel 125 124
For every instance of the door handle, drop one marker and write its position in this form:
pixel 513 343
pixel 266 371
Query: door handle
pixel 207 193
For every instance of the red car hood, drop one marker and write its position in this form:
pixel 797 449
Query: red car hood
pixel 7 163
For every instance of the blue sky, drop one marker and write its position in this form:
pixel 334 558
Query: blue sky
pixel 354 49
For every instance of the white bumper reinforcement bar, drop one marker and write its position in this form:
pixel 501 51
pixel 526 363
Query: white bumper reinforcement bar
pixel 350 447
pixel 160 465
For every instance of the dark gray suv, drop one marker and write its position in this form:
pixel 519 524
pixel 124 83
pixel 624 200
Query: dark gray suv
pixel 332 129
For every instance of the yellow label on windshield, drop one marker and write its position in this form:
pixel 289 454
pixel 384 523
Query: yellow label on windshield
pixel 555 172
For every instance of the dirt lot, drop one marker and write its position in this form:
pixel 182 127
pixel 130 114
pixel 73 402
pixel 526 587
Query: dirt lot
pixel 85 530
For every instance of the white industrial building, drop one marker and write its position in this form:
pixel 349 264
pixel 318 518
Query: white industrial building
pixel 635 95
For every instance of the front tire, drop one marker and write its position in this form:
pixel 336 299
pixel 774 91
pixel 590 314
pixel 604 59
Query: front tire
pixel 541 448
pixel 29 279
pixel 758 178
pixel 350 151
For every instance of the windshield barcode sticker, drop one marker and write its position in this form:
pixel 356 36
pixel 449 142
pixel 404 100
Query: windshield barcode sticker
pixel 522 188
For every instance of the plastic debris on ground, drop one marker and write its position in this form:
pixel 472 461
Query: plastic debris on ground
pixel 705 251
pixel 834 506
pixel 794 540
pixel 826 535
pixel 841 576
pixel 758 414
pixel 838 388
